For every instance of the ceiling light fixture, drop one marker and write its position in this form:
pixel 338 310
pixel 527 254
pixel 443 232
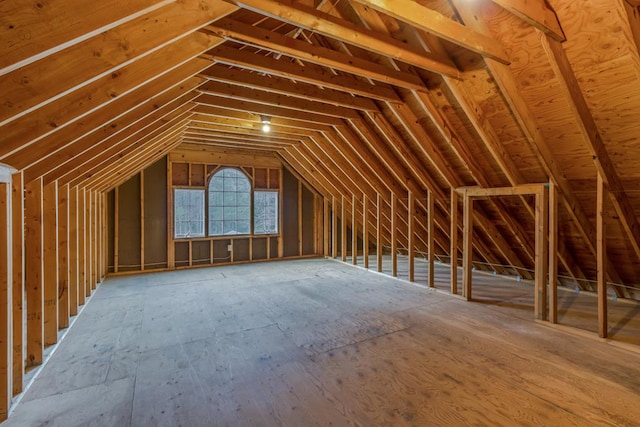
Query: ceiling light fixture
pixel 266 124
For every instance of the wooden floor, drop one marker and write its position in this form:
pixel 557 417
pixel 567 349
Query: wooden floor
pixel 318 343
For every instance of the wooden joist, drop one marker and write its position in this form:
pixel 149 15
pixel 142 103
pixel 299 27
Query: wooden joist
pixel 328 25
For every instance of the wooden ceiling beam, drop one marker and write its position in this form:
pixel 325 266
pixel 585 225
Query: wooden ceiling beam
pixel 270 139
pixel 215 142
pixel 311 74
pixel 96 165
pixel 212 122
pixel 30 86
pixel 441 26
pixel 32 33
pixel 210 112
pixel 38 150
pixel 275 42
pixel 107 152
pixel 131 163
pixel 287 87
pixel 275 100
pixel 55 116
pixel 330 26
pixel 265 110
pixel 537 14
pixel 83 150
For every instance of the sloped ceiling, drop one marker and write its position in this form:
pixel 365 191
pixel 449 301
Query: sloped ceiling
pixel 366 98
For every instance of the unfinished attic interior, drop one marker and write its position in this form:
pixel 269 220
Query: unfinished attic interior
pixel 483 155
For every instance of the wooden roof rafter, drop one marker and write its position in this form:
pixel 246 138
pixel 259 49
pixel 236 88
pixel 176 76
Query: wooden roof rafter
pixel 328 25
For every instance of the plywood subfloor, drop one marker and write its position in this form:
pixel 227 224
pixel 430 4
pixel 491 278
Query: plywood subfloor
pixel 318 343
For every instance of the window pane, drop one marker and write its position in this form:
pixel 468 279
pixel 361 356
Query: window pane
pixel 229 203
pixel 188 206
pixel 265 212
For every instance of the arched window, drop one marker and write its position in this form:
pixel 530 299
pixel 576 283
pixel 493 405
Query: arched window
pixel 229 203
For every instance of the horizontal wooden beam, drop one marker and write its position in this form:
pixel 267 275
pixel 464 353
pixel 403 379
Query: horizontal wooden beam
pixel 318 55
pixel 439 25
pixel 272 99
pixel 286 87
pixel 339 29
pixel 308 74
pixel 263 109
pixel 518 190
pixel 537 14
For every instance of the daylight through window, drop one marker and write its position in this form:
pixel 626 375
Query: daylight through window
pixel 265 212
pixel 188 214
pixel 229 203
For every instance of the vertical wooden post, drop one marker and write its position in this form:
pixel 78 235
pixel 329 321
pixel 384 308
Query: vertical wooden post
pixel 467 247
pixel 365 231
pixel 453 251
pixel 142 220
pixel 73 252
pixel 343 223
pixel 81 248
pixel 553 253
pixel 334 228
pixel 411 207
pixel 601 255
pixel 50 254
pixel 325 227
pixel 33 271
pixel 541 253
pixel 63 256
pixel 116 230
pixel 171 258
pixel 379 232
pixel 17 267
pixel 394 236
pixel 5 296
pixel 280 220
pixel 354 231
pixel 96 234
pixel 431 239
pixel 300 218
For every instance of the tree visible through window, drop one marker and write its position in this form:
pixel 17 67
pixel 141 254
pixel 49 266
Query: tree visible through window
pixel 188 213
pixel 229 203
pixel 265 212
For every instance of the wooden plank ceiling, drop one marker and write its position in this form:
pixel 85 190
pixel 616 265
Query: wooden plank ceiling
pixel 366 98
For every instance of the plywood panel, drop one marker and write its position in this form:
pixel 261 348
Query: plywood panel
pixel 241 249
pixel 182 253
pixel 220 251
pixel 200 252
pixel 180 173
pixel 290 213
pixel 129 223
pixel 155 215
pixel 259 250
pixel 308 218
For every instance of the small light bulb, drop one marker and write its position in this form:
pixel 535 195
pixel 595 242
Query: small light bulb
pixel 266 128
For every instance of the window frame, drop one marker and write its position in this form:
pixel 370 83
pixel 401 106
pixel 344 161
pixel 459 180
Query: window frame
pixel 208 203
pixel 277 219
pixel 175 228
